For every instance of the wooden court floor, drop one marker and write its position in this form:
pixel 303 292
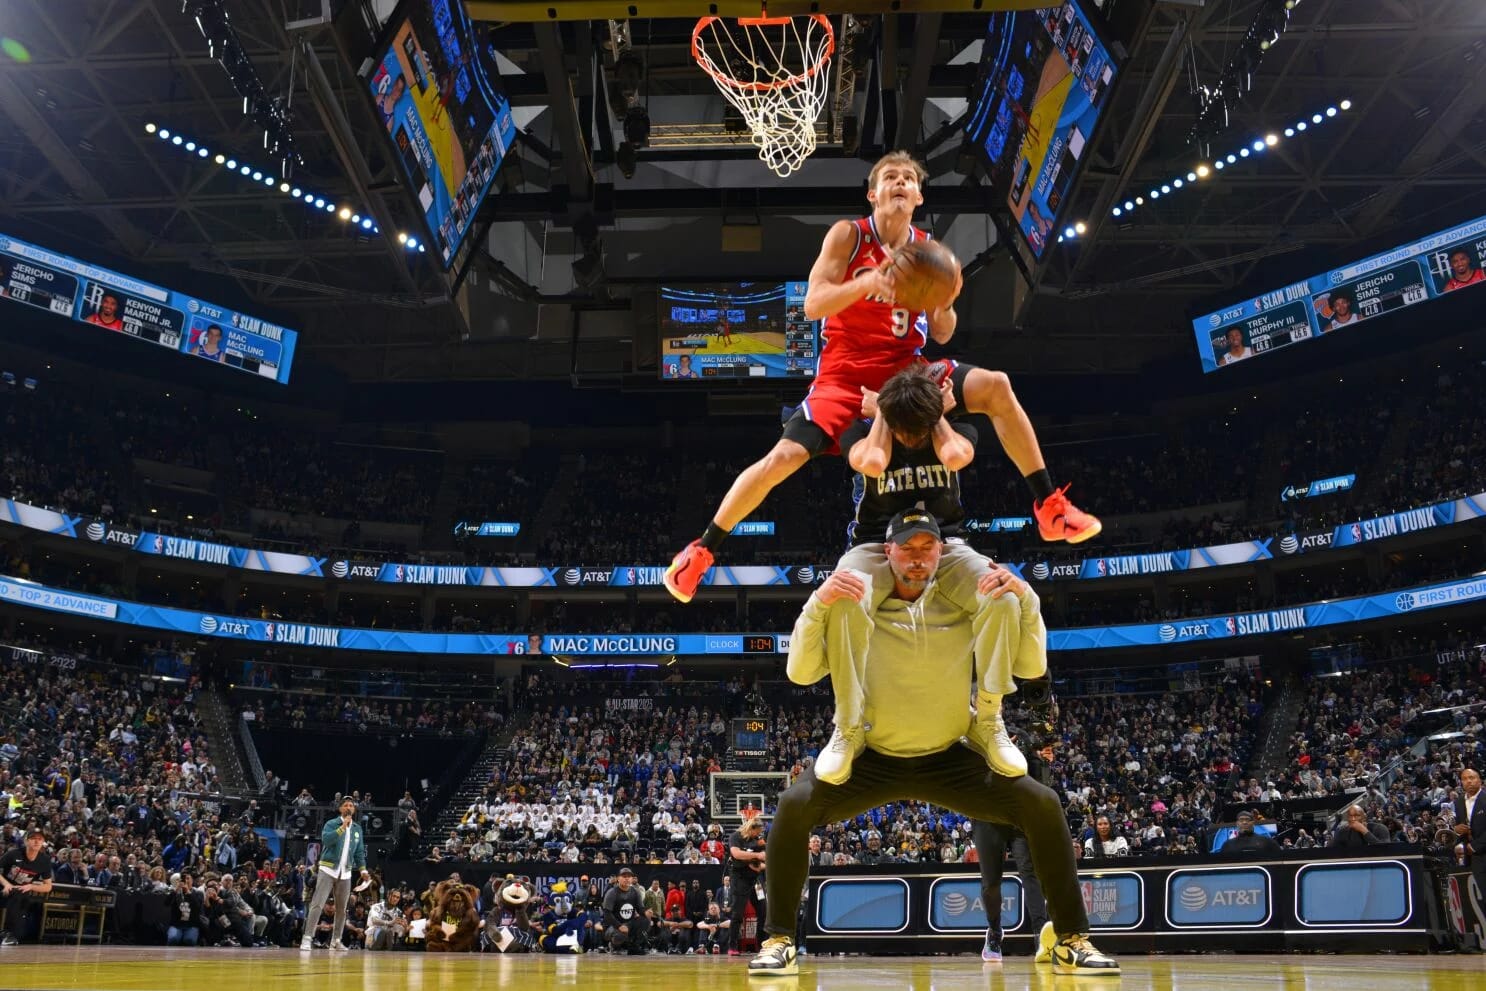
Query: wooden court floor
pixel 147 969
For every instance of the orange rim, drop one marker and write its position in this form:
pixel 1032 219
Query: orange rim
pixel 722 79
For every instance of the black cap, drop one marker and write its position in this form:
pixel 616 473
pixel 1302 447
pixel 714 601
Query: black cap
pixel 35 831
pixel 909 522
pixel 626 871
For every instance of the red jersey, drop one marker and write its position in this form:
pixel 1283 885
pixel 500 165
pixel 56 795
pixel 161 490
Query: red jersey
pixel 870 339
pixel 1455 283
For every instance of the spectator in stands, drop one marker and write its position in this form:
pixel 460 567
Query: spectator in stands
pixel 1105 842
pixel 675 920
pixel 1357 832
pixel 1247 843
pixel 71 870
pixel 25 877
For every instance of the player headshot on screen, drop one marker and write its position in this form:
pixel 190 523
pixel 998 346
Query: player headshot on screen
pixel 1463 271
pixel 534 644
pixel 1236 349
pixel 209 344
pixel 685 371
pixel 108 313
pixel 1343 308
pixel 387 105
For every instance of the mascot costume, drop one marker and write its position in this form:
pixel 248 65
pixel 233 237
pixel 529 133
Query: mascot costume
pixel 454 926
pixel 562 924
pixel 508 927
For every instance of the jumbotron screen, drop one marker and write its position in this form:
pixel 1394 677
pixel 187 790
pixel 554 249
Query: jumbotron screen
pixel 99 297
pixel 1417 272
pixel 737 330
pixel 450 126
pixel 1044 83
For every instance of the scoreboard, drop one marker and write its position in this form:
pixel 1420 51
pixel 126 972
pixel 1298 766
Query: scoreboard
pixel 1446 262
pixel 739 330
pixel 93 295
pixel 749 741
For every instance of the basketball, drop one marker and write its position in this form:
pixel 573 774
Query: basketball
pixel 924 274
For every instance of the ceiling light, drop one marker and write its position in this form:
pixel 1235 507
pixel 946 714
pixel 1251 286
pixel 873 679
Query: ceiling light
pixel 202 152
pixel 1346 104
pixel 1165 189
pixel 1231 160
pixel 1070 233
pixel 190 145
pixel 402 237
pixel 1289 132
pixel 1081 227
pixel 295 193
pixel 1315 118
pixel 1243 153
pixel 231 163
pixel 1301 126
pixel 150 129
pixel 257 176
pixel 220 159
pixel 1330 111
pixel 1203 171
pixel 164 134
pixel 176 140
pixel 1259 145
pixel 344 213
pixel 1219 164
pixel 1117 211
pixel 1175 182
pixel 1140 201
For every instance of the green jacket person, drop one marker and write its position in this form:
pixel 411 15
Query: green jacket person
pixel 342 850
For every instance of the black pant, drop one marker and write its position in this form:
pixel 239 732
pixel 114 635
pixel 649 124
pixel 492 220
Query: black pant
pixel 745 893
pixel 633 941
pixel 955 779
pixel 23 915
pixel 992 840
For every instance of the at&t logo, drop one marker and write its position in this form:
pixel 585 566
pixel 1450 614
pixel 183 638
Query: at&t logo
pixel 1289 544
pixel 572 576
pixel 1193 898
pixel 96 530
pixel 1167 633
pixel 340 569
pixel 1040 571
pixel 955 904
pixel 208 624
pixel 805 575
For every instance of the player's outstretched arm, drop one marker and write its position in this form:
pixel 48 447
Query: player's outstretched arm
pixel 831 291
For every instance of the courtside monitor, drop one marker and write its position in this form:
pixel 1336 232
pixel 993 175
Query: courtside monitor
pixel 1044 84
pixel 1451 260
pixel 449 125
pixel 737 330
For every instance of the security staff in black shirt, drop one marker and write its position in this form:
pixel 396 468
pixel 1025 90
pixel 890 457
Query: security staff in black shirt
pixel 25 878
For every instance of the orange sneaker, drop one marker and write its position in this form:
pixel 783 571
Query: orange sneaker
pixel 1059 519
pixel 686 571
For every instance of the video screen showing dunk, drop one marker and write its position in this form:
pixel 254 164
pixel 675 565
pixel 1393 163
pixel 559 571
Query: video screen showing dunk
pixel 1044 83
pixel 737 330
pixel 450 127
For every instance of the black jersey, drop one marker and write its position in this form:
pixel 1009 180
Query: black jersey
pixel 914 478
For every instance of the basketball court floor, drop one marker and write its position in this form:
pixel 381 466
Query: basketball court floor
pixel 148 968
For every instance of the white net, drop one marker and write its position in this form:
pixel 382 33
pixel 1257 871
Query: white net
pixel 774 71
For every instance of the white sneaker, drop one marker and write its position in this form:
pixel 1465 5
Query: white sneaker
pixel 1046 940
pixel 339 947
pixel 776 958
pixel 304 946
pixel 988 737
pixel 833 763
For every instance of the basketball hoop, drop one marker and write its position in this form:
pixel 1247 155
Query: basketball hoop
pixel 774 71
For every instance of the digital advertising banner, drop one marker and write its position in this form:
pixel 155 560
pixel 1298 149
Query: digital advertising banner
pixel 1285 903
pixel 99 297
pixel 1449 261
pixel 752 576
pixel 1261 623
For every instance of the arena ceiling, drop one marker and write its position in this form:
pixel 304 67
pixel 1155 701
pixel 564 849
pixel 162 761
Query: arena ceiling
pixel 76 161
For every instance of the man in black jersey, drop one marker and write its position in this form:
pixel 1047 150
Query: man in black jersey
pixel 25 876
pixel 898 469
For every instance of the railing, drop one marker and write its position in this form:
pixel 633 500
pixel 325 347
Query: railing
pixel 255 764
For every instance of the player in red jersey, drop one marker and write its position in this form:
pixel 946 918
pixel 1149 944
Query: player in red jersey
pixel 865 339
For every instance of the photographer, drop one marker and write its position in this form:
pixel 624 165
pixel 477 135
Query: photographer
pixel 185 909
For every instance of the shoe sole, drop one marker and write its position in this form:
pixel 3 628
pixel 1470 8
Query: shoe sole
pixel 793 970
pixel 1087 533
pixel 669 581
pixel 1065 970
